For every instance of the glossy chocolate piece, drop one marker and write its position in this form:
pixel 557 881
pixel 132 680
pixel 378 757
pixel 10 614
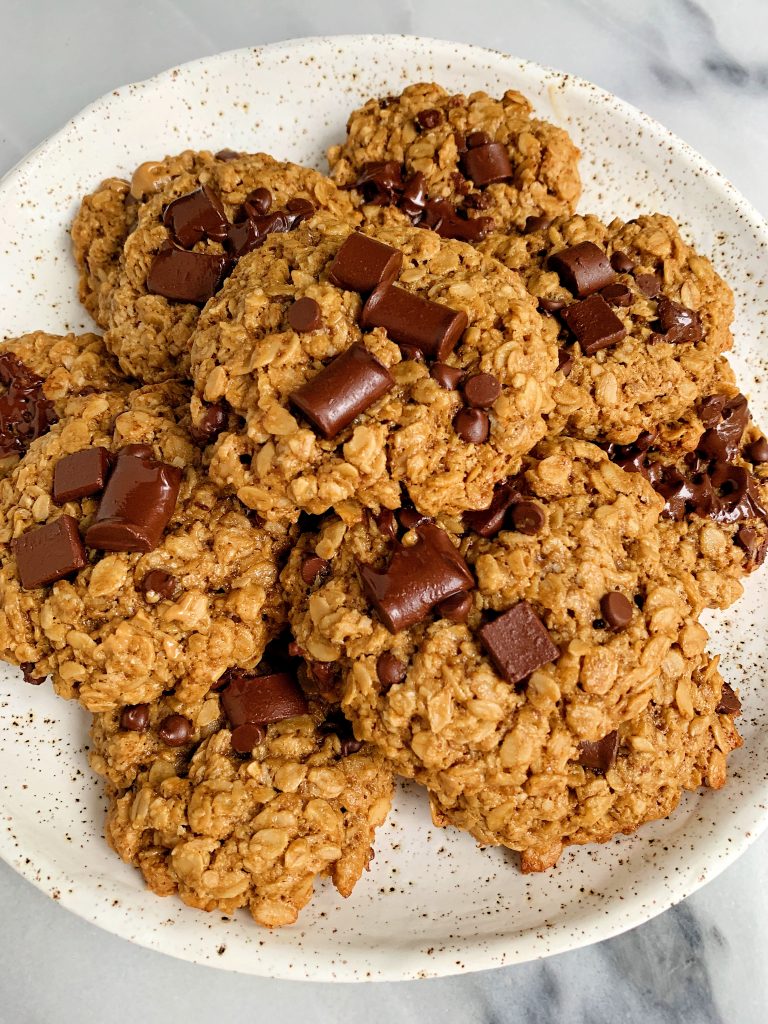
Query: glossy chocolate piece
pixel 210 424
pixel 649 284
pixel 25 411
pixel 81 474
pixel 488 521
pixel 599 755
pixel 528 517
pixel 247 736
pixel 304 315
pixel 135 718
pixel 262 699
pixel 678 323
pixel 621 263
pixel 757 452
pixel 427 119
pixel 456 608
pixel 472 425
pixel 729 703
pixel 414 197
pixel 721 441
pixel 616 610
pixel 362 264
pixel 518 643
pixel 448 377
pixel 486 164
pixel 410 319
pixel 481 390
pixel 196 216
pixel 618 295
pixel 380 182
pixel 312 567
pixel 49 553
pixel 183 276
pixel 441 216
pixel 565 361
pixel 160 582
pixel 582 268
pixel 390 670
pixel 175 731
pixel 594 324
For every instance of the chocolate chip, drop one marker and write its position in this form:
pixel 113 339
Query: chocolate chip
pixel 262 699
pixel 475 139
pixel 175 730
pixel 528 517
pixel 616 610
pixel 301 209
pixel 518 643
pixel 757 451
pixel 417 578
pixel 312 567
pixel 532 224
pixel 362 264
pixel 304 315
pixel 565 361
pixel 488 521
pixel 753 545
pixel 25 411
pixel 710 409
pixel 390 670
pixel 410 319
pixel 486 164
pixel 380 182
pixel 448 377
pixel 135 718
pixel 49 553
pixel 136 505
pixel 599 755
pixel 617 294
pixel 442 217
pixel 649 284
pixel 472 425
pixel 210 425
pixel 678 323
pixel 551 305
pixel 621 263
pixel 259 201
pixel 344 389
pixel 456 608
pixel 729 702
pixel 481 390
pixel 196 216
pixel 160 582
pixel 414 354
pixel 186 276
pixel 428 119
pixel 79 475
pixel 583 268
pixel 594 324
pixel 247 736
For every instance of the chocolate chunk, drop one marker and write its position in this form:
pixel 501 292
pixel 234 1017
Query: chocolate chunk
pixel 312 567
pixel 186 276
pixel 551 305
pixel 460 141
pixel 583 268
pixel 533 224
pixel 386 523
pixel 472 425
pixel 417 578
pixel 528 517
pixel 262 699
pixel 77 476
pixel 442 217
pixel 649 284
pixel 258 202
pixel 414 354
pixel 486 164
pixel 380 182
pixel 135 718
pixel 682 495
pixel 599 755
pixel 304 315
pixel 757 452
pixel 488 521
pixel 362 264
pixel 49 553
pixel 722 440
pixel 390 670
pixel 344 389
pixel 481 390
pixel 475 139
pixel 227 155
pixel 711 409
pixel 28 670
pixel 428 119
pixel 414 197
pixel 729 702
pixel 518 643
pixel 301 209
pixel 617 294
pixel 136 505
pixel 750 542
pixel 410 518
pixel 616 610
pixel 594 324
pixel 175 731
pixel 25 411
pixel 448 377
pixel 633 458
pixel 210 425
pixel 247 736
pixel 196 216
pixel 565 361
pixel 456 608
pixel 409 319
pixel 678 323
pixel 621 263
pixel 737 496
pixel 160 582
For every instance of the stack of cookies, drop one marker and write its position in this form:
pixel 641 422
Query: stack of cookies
pixel 408 470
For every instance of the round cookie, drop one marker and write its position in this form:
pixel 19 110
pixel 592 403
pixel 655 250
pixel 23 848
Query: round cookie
pixel 131 624
pixel 639 345
pixel 569 611
pixel 136 286
pixel 592 793
pixel 224 829
pixel 248 354
pixel 482 157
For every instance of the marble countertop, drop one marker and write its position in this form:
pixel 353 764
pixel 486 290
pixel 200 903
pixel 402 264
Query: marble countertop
pixel 701 68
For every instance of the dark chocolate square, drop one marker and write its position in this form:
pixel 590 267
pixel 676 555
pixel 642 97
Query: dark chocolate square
pixel 518 643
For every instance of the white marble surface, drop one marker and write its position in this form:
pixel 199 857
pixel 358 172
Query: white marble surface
pixel 700 68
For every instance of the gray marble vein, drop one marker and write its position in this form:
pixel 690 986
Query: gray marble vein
pixel 700 67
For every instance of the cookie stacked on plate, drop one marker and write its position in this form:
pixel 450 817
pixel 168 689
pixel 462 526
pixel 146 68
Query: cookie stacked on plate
pixel 408 470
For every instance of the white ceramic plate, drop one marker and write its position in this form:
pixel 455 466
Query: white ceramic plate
pixel 433 904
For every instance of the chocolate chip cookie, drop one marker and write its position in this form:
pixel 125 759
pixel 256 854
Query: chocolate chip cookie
pixel 371 368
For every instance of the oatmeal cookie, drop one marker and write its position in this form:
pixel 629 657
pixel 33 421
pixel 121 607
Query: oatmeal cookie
pixel 428 154
pixel 567 609
pixel 280 375
pixel 253 826
pixel 172 612
pixel 590 793
pixel 147 266
pixel 641 344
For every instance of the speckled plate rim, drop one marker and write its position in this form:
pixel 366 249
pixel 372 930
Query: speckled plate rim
pixel 638 907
